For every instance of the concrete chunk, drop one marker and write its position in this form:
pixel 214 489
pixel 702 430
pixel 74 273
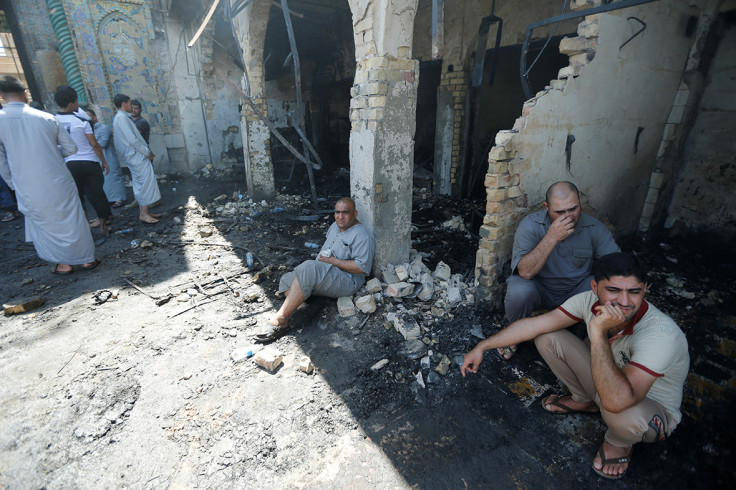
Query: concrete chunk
pixel 268 358
pixel 402 273
pixel 305 365
pixel 345 306
pixel 408 328
pixel 389 276
pixel 379 365
pixel 373 286
pixel 442 271
pixel 366 304
pixel 400 289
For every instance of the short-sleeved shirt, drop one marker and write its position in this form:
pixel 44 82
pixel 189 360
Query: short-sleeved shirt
pixel 356 243
pixel 652 342
pixel 572 259
pixel 78 130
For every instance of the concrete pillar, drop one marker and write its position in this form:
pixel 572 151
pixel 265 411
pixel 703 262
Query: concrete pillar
pixel 383 117
pixel 250 27
pixel 449 141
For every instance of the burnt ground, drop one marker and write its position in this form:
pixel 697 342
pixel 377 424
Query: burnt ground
pixel 128 393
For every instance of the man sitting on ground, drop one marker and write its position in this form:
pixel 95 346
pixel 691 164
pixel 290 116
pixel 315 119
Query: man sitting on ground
pixel 552 255
pixel 339 270
pixel 633 369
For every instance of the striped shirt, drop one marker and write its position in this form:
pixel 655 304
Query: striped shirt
pixel 652 342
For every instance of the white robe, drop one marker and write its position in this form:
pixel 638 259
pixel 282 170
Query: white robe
pixel 133 149
pixel 30 163
pixel 114 183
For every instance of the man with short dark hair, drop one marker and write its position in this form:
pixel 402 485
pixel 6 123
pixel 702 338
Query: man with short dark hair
pixel 140 122
pixel 134 150
pixel 552 256
pixel 85 163
pixel 632 370
pixel 339 270
pixel 31 164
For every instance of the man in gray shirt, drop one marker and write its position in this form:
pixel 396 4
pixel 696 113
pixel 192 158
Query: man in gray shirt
pixel 553 255
pixel 339 270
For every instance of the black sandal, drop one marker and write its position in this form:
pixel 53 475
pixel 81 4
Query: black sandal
pixel 269 333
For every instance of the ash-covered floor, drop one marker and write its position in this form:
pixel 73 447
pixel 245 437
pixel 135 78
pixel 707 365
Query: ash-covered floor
pixel 141 391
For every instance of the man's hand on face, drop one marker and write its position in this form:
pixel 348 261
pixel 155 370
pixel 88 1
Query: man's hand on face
pixel 608 317
pixel 561 228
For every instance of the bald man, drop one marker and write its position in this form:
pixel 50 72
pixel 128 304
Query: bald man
pixel 553 255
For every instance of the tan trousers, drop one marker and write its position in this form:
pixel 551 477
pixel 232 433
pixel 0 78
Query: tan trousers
pixel 569 359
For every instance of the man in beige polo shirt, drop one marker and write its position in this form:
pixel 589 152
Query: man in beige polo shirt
pixel 632 369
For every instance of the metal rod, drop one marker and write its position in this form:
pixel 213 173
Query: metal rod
pixel 561 18
pixel 204 23
pixel 307 143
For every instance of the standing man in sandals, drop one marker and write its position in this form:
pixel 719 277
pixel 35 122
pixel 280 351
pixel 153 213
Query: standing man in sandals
pixel 552 256
pixel 339 270
pixel 31 164
pixel 632 370
pixel 135 152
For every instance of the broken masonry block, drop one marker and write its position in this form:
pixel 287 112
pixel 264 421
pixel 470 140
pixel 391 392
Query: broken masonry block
pixel 443 366
pixel 268 358
pixel 389 276
pixel 453 295
pixel 373 286
pixel 366 304
pixel 408 328
pixel 402 273
pixel 400 289
pixel 306 365
pixel 442 272
pixel 345 306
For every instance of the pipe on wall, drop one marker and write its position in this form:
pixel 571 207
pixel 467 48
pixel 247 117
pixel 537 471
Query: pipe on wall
pixel 66 49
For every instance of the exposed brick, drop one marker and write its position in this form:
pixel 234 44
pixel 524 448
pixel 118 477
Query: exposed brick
pixel 576 45
pixel 489 232
pixel 496 167
pixel 487 244
pixel 377 101
pixel 588 29
pixel 570 71
pixel 504 137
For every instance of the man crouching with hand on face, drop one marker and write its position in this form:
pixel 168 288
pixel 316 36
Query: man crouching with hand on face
pixel 631 368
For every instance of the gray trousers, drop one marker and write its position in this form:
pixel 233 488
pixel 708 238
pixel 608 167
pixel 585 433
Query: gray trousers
pixel 322 279
pixel 523 296
pixel 569 358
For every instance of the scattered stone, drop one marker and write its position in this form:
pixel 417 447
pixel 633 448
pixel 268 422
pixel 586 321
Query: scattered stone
pixel 407 327
pixel 711 298
pixel 674 282
pixel 389 276
pixel 177 220
pixel 115 293
pixel 379 365
pixel 433 378
pixel 306 365
pixel 686 294
pixel 27 281
pixel 192 292
pixel 456 223
pixel 420 379
pixel 183 298
pixel 402 273
pixel 400 289
pixel 453 295
pixel 425 361
pixel 23 307
pixel 443 366
pixel 268 358
pixel 413 349
pixel 234 332
pixel 477 331
pixel 366 304
pixel 373 286
pixel 204 233
pixel 345 306
pixel 146 244
pixel 442 271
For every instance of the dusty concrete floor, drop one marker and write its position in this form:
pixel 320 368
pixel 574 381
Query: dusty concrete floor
pixel 131 394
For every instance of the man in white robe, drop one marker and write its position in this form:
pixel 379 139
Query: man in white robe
pixel 136 154
pixel 30 163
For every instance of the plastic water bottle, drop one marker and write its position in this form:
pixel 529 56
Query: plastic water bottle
pixel 311 245
pixel 249 259
pixel 125 231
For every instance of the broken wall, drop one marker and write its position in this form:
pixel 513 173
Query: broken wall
pixel 704 197
pixel 614 100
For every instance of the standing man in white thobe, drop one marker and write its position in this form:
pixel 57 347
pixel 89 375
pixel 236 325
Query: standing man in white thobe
pixel 31 164
pixel 134 150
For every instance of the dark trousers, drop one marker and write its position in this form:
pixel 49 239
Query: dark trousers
pixel 7 199
pixel 89 179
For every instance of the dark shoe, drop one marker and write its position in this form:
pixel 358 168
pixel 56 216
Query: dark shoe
pixel 269 333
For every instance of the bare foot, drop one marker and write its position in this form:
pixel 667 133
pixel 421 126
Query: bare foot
pixel 94 223
pixel 507 352
pixel 565 404
pixel 104 229
pixel 617 459
pixel 279 322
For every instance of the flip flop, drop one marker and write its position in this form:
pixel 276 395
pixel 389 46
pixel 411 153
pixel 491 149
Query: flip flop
pixel 621 460
pixel 269 333
pixel 565 409
pixel 10 216
pixel 94 223
pixel 92 265
pixel 118 204
pixel 150 221
pixel 56 271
